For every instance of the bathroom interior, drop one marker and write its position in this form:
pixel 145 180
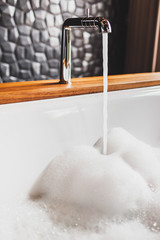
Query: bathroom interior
pixel 79 119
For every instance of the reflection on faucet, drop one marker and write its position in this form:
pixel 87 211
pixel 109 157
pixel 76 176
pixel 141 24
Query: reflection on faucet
pixel 88 22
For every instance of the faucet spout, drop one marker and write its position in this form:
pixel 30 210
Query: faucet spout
pixel 88 22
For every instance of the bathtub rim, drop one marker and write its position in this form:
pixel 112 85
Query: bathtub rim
pixel 48 89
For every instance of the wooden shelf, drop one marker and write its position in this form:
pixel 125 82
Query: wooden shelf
pixel 46 89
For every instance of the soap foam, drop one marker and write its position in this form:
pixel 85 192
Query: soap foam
pixel 83 195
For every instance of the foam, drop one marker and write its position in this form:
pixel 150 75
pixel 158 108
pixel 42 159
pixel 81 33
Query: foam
pixel 83 177
pixel 83 195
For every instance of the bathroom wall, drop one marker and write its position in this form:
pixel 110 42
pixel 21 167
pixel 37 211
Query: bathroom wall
pixel 30 32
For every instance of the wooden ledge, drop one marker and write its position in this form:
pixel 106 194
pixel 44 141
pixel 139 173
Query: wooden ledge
pixel 46 89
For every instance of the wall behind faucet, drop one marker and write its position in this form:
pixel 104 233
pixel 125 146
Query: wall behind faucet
pixel 30 33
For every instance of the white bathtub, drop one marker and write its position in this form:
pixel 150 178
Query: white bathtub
pixel 32 133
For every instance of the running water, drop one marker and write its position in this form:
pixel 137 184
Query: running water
pixel 105 89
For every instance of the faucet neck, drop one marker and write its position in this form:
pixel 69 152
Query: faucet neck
pixel 88 22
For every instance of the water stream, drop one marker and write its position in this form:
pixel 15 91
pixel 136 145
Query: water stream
pixel 105 88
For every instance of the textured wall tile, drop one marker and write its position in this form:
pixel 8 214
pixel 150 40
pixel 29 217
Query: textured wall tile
pixel 40 14
pixel 30 33
pixel 3 33
pixel 14 69
pixel 13 35
pixel 49 20
pixel 24 40
pixel 0 54
pixel 30 18
pixel 53 31
pixel 49 52
pixel 25 4
pixel 44 4
pixel 40 57
pixel 24 29
pixel 20 52
pixel 24 64
pixel 39 47
pixel 9 57
pixel 44 36
pixel 40 24
pixel 19 16
pixel 53 63
pixel 4 67
pixel 9 10
pixel 55 9
pixel 25 74
pixel 45 68
pixel 8 21
pixel 29 52
pixel 36 67
pixel 12 2
pixel 8 46
pixel 53 72
pixel 35 35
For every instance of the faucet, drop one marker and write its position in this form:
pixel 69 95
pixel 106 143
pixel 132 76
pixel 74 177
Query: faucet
pixel 87 22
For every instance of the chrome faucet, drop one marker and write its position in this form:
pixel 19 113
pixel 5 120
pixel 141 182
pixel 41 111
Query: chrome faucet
pixel 87 22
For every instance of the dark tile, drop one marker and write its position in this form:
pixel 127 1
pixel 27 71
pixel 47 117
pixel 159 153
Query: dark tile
pixel 40 14
pixel 12 2
pixel 7 9
pixel 80 3
pixel 35 4
pixel 44 68
pixel 0 54
pixel 9 57
pixel 20 52
pixel 58 20
pixel 35 34
pixel 53 73
pixel 8 21
pixel 8 46
pixel 9 79
pixel 19 16
pixel 24 29
pixel 3 34
pixel 36 68
pixel 4 69
pixel 14 69
pixel 29 18
pixel 77 62
pixel 24 64
pixel 49 52
pixel 54 42
pixel 78 42
pixel 44 4
pixel 49 19
pixel 88 48
pixel 53 31
pixel 44 36
pixel 54 8
pixel 29 52
pixel 25 74
pixel 40 57
pixel 39 47
pixel 55 1
pixel 13 34
pixel 24 5
pixel 24 40
pixel 40 24
pixel 81 53
pixel 53 63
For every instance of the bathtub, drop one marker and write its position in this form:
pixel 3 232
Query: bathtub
pixel 32 133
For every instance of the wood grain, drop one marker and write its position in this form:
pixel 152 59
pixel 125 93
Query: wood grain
pixel 46 89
